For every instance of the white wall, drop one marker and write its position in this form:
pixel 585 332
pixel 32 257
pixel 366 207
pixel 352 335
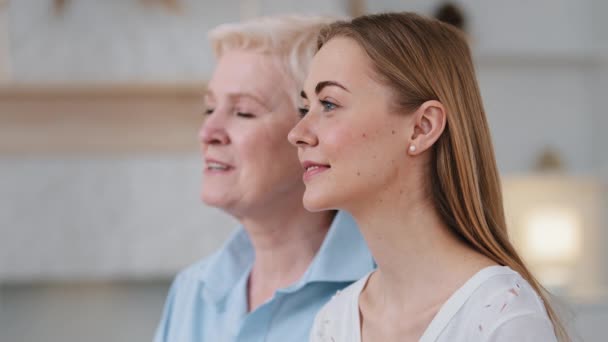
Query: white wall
pixel 4 35
pixel 121 40
pixel 79 218
pixel 599 88
pixel 114 40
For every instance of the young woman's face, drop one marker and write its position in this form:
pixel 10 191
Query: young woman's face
pixel 249 165
pixel 350 142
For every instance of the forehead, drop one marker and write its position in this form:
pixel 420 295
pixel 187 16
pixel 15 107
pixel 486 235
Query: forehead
pixel 340 59
pixel 246 72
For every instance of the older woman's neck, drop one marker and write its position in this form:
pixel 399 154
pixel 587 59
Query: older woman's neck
pixel 285 244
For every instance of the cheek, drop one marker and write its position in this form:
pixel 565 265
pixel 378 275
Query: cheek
pixel 340 138
pixel 363 150
pixel 267 151
pixel 350 143
pixel 250 147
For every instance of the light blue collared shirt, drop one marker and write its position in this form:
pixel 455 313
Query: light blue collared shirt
pixel 208 301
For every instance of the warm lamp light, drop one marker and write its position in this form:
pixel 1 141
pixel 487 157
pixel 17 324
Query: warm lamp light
pixel 552 243
pixel 554 223
pixel 553 234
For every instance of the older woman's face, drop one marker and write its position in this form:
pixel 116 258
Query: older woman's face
pixel 355 144
pixel 249 164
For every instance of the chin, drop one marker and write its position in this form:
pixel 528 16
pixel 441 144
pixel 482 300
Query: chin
pixel 213 199
pixel 316 201
pixel 208 200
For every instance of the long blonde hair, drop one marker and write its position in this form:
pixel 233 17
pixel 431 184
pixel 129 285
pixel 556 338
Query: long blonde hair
pixel 422 59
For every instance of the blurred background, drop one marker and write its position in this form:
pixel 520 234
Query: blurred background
pixel 100 103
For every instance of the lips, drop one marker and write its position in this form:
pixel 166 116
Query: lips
pixel 313 169
pixel 213 166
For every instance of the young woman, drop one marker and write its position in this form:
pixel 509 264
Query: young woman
pixel 394 131
pixel 271 278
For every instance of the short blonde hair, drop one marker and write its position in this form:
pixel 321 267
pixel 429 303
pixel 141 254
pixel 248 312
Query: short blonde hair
pixel 290 38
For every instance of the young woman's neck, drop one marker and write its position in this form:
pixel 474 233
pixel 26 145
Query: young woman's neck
pixel 415 251
pixel 285 243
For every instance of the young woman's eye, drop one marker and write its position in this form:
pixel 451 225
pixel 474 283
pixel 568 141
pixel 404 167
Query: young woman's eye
pixel 302 111
pixel 245 115
pixel 328 106
pixel 209 111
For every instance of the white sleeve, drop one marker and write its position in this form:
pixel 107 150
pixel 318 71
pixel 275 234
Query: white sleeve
pixel 524 328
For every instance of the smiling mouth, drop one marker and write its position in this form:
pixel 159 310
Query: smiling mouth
pixel 216 167
pixel 311 170
pixel 314 167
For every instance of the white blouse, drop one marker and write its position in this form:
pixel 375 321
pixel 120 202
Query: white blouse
pixel 496 304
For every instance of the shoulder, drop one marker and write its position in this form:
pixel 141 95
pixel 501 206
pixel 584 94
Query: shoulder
pixel 506 305
pixel 178 302
pixel 336 320
pixel 185 284
pixel 340 302
pixel 210 266
pixel 504 294
pixel 193 272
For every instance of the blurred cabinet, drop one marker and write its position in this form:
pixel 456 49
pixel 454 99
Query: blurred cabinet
pixel 102 182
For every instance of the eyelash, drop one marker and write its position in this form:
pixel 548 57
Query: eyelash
pixel 245 115
pixel 328 103
pixel 303 110
pixel 241 114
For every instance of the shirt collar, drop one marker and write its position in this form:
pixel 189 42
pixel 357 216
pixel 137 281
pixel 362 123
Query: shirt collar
pixel 342 257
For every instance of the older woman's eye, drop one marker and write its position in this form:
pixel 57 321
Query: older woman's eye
pixel 245 115
pixel 328 106
pixel 302 111
pixel 209 111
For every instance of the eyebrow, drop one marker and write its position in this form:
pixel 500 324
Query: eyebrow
pixel 322 85
pixel 257 99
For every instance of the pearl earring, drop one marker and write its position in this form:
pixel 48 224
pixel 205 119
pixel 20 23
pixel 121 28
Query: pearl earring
pixel 412 148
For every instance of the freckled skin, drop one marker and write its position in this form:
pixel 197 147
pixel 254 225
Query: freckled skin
pixel 362 132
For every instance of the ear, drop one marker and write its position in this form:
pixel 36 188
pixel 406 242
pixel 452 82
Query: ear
pixel 429 123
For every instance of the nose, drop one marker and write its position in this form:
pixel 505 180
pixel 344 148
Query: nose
pixel 301 135
pixel 213 131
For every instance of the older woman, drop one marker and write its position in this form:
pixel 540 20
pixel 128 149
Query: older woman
pixel 268 281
